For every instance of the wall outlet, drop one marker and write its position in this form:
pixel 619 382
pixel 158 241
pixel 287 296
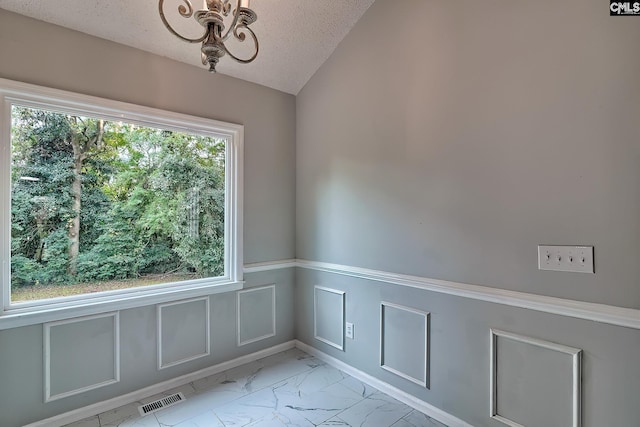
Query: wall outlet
pixel 578 259
pixel 349 330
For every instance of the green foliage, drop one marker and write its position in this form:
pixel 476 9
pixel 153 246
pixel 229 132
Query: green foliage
pixel 158 257
pixel 24 271
pixel 54 264
pixel 51 270
pixel 152 201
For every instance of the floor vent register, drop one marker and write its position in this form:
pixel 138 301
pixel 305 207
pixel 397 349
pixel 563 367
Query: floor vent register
pixel 165 402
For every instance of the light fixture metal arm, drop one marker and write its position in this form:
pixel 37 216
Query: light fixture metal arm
pixel 185 12
pixel 241 37
pixel 236 15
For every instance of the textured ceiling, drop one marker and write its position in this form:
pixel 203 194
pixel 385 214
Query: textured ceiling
pixel 296 36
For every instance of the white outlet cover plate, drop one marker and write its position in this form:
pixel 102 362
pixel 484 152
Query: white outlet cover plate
pixel 349 330
pixel 578 259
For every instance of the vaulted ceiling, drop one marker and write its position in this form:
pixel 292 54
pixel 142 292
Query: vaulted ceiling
pixel 296 36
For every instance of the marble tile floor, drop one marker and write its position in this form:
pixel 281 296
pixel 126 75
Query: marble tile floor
pixel 290 388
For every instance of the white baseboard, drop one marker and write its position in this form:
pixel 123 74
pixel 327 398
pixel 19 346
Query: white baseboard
pixel 116 402
pixel 396 393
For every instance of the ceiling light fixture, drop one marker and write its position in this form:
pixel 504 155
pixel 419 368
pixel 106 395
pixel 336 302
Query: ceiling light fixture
pixel 212 17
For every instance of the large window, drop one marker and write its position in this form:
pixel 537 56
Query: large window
pixel 105 202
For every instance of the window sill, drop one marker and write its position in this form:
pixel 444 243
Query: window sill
pixel 16 317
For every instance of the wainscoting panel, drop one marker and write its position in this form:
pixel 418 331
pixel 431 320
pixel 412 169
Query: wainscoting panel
pixel 256 314
pixel 528 374
pixel 81 354
pixel 183 331
pixel 404 342
pixel 328 316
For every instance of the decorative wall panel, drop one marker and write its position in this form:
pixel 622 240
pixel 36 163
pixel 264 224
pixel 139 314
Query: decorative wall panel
pixel 183 331
pixel 81 354
pixel 534 382
pixel 404 342
pixel 256 314
pixel 328 316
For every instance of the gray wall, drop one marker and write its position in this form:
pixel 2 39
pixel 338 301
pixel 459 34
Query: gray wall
pixel 447 140
pixel 460 361
pixel 21 354
pixel 39 53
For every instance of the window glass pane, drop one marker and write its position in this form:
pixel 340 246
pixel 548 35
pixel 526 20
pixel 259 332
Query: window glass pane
pixel 99 205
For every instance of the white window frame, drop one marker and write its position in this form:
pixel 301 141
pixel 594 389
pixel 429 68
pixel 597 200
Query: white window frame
pixel 33 312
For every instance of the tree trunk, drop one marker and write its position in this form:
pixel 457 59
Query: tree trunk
pixel 74 226
pixel 41 217
pixel 81 150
